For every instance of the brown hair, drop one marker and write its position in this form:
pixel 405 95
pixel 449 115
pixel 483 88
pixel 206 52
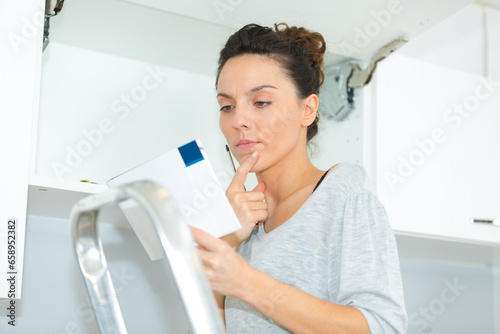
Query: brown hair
pixel 298 51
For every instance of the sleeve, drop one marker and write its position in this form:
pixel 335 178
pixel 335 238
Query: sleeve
pixel 364 264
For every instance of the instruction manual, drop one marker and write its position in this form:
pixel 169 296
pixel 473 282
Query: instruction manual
pixel 188 176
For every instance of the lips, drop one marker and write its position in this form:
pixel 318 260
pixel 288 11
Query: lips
pixel 246 144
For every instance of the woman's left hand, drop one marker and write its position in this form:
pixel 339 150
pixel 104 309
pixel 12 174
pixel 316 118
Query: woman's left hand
pixel 226 270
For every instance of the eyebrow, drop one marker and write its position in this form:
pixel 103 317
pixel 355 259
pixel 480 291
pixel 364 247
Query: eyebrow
pixel 253 90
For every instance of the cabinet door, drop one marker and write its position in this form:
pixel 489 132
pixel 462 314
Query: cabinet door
pixel 438 149
pixel 21 26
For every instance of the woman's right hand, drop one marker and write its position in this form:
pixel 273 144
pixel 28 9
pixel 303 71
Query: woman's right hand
pixel 249 206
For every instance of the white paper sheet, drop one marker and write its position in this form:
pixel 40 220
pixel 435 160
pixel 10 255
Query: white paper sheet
pixel 190 179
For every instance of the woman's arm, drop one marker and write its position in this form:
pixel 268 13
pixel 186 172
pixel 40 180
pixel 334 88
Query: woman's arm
pixel 230 275
pixel 297 310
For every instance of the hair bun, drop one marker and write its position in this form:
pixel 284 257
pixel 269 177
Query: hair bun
pixel 312 42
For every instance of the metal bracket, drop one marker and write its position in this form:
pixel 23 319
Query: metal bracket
pixel 52 8
pixel 338 91
pixel 359 77
pixel 336 97
pixel 180 254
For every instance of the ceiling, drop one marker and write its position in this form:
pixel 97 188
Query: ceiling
pixel 189 34
pixel 354 29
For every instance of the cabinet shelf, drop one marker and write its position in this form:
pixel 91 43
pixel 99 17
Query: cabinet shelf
pixel 48 197
pixel 447 249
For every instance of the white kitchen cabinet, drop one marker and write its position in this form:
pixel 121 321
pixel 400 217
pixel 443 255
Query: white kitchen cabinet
pixel 176 35
pixel 436 132
pixel 132 37
pixel 437 149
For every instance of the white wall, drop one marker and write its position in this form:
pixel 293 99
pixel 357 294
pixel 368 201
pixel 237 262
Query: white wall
pixel 81 89
pixel 448 298
pixel 55 298
pixel 144 110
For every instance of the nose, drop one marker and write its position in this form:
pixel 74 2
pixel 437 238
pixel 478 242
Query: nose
pixel 241 119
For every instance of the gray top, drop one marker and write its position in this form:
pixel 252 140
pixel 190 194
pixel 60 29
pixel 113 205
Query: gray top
pixel 339 246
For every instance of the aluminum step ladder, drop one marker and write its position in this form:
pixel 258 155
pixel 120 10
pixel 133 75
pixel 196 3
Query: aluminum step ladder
pixel 180 255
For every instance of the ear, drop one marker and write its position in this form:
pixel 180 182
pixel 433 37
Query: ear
pixel 310 108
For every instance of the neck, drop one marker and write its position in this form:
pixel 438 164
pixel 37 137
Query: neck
pixel 287 177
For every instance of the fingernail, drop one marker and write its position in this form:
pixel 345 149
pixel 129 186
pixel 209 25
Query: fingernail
pixel 254 154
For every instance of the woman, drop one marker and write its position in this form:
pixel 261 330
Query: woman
pixel 323 257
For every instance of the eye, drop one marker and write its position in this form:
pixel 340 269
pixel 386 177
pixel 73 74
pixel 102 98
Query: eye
pixel 226 108
pixel 262 104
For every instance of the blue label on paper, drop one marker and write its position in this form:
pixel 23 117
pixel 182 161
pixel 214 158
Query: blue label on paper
pixel 190 153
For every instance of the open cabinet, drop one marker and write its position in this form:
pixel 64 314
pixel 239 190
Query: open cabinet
pixel 104 120
pixel 124 81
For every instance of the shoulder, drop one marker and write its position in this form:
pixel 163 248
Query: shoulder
pixel 349 191
pixel 347 179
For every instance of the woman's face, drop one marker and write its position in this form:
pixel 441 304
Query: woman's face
pixel 259 103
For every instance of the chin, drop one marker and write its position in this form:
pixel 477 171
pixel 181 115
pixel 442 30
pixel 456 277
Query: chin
pixel 256 168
